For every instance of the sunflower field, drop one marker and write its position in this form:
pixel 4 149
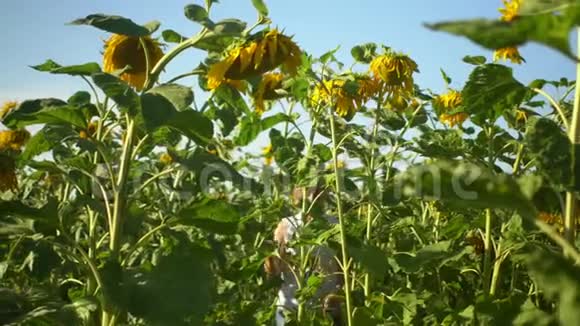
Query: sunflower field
pixel 139 200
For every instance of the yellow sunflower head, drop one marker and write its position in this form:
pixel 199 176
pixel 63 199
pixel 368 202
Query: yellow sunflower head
pixel 261 55
pixel 368 87
pixel 445 104
pixel 268 153
pixel 13 139
pixel 8 179
pixel 266 90
pixel 522 115
pixel 395 70
pixel 510 53
pixel 7 107
pixel 397 102
pixel 122 51
pixel 165 159
pixel 333 92
pixel 511 10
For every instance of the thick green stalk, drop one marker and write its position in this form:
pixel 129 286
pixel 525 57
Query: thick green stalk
pixel 488 216
pixel 121 189
pixel 345 260
pixel 154 75
pixel 371 170
pixel 574 135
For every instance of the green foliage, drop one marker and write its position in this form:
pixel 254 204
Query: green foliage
pixel 157 206
pixel 118 25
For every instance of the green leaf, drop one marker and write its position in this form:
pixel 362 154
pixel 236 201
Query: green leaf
pixel 363 316
pixel 474 60
pixel 261 7
pixel 558 279
pixel 550 147
pixel 118 25
pixel 179 286
pixel 371 258
pixel 446 78
pixel 118 91
pixel 221 35
pixel 213 215
pixel 364 53
pixel 43 141
pixel 198 14
pixel 171 36
pixel 547 28
pixel 158 111
pixel 44 111
pixel 490 90
pixel 86 69
pixel 465 185
pixel 250 128
pixel 207 166
pixel 180 96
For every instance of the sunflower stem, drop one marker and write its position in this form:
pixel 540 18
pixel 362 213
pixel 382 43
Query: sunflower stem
pixel 156 71
pixel 371 172
pixel 574 135
pixel 488 216
pixel 120 200
pixel 341 222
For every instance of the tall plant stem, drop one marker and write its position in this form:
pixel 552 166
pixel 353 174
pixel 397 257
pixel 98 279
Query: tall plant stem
pixel 158 68
pixel 121 189
pixel 345 260
pixel 372 188
pixel 488 216
pixel 574 135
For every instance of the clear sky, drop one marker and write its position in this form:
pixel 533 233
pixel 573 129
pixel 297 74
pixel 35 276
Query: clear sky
pixel 35 30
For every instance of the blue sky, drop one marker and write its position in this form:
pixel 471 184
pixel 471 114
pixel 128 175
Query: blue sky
pixel 35 30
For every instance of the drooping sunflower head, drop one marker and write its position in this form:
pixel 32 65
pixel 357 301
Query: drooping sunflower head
pixel 511 10
pixel 395 70
pixel 122 51
pixel 368 87
pixel 8 179
pixel 338 92
pixel 268 153
pixel 265 53
pixel 397 102
pixel 445 104
pixel 7 107
pixel 510 53
pixel 13 139
pixel 266 90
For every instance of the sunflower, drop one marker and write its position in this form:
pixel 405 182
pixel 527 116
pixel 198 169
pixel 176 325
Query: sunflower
pixel 449 102
pixel 165 159
pixel 267 90
pixel 90 131
pixel 334 91
pixel 263 54
pixel 8 179
pixel 510 53
pixel 511 10
pixel 395 70
pixel 509 14
pixel 13 139
pixel 521 115
pixel 397 102
pixel 7 107
pixel 268 153
pixel 122 51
